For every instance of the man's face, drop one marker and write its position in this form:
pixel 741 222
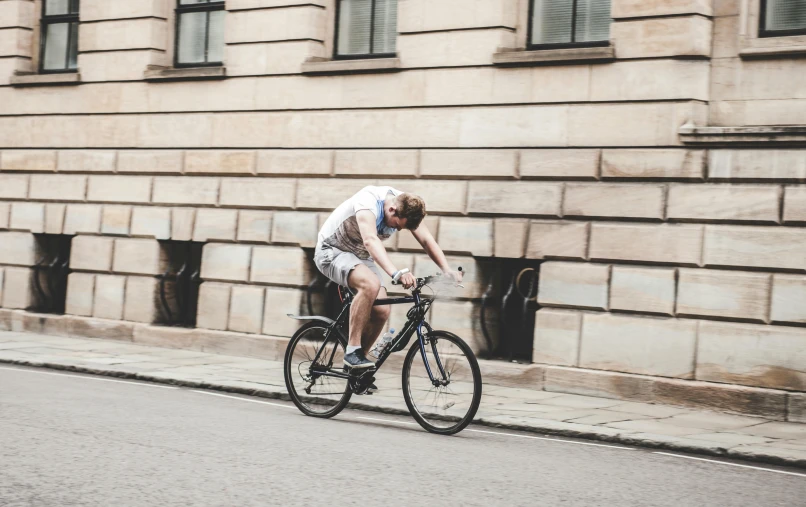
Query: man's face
pixel 392 220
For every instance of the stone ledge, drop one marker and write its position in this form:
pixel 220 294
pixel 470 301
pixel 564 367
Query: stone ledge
pixel 59 79
pixel 183 74
pixel 771 47
pixel 690 134
pixel 750 53
pixel 511 56
pixel 318 66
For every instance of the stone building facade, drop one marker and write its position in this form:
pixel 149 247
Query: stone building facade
pixel 654 179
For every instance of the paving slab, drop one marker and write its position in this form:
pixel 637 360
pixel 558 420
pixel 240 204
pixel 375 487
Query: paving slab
pixel 659 427
pixel 710 420
pixel 782 430
pixel 649 409
pixel 548 413
pixel 732 439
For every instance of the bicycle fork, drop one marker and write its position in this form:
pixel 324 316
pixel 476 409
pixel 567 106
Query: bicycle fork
pixel 437 382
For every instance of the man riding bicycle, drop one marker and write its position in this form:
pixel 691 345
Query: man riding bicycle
pixel 349 251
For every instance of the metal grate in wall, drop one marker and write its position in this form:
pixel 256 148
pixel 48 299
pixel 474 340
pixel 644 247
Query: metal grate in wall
pixel 50 273
pixel 508 309
pixel 179 284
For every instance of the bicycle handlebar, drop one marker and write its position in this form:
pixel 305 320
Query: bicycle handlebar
pixel 423 281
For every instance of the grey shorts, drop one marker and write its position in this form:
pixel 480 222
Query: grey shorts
pixel 336 264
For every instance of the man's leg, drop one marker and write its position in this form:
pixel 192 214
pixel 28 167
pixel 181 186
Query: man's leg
pixel 377 320
pixel 366 284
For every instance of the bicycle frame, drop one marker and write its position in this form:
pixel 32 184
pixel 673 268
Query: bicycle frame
pixel 413 324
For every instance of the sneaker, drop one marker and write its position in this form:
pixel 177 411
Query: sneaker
pixel 357 360
pixel 372 389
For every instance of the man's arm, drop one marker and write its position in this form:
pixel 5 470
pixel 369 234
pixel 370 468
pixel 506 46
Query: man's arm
pixel 374 245
pixel 429 244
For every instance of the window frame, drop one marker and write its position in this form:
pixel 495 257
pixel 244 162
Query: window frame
pixel 530 46
pixel 762 21
pixel 210 6
pixel 54 19
pixel 337 56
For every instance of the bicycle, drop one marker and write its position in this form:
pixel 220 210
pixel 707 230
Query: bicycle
pixel 441 377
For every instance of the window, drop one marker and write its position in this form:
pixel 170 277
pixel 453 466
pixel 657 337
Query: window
pixel 569 23
pixel 782 17
pixel 366 28
pixel 199 33
pixel 59 40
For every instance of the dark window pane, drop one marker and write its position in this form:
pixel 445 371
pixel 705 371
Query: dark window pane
pixel 192 28
pixel 72 54
pixel 551 21
pixel 385 36
pixel 785 15
pixel 355 17
pixel 55 46
pixel 56 7
pixel 593 20
pixel 215 44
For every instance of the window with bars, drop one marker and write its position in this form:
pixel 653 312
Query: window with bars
pixel 782 17
pixel 199 33
pixel 366 28
pixel 569 23
pixel 59 39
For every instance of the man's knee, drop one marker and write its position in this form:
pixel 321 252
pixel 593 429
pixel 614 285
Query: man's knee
pixel 364 280
pixel 381 313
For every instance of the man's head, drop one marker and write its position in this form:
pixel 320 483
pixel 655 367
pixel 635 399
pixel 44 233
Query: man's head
pixel 406 211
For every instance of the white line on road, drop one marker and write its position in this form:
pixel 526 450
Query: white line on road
pixel 90 377
pixel 554 440
pixel 385 420
pixel 510 435
pixel 730 464
pixel 245 399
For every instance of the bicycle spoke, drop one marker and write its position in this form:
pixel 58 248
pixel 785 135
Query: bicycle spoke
pixel 319 393
pixel 445 405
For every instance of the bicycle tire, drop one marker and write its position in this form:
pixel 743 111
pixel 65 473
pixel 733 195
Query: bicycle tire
pixel 422 419
pixel 290 369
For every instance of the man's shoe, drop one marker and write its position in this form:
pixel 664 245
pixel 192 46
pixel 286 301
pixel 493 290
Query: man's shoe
pixel 357 360
pixel 372 389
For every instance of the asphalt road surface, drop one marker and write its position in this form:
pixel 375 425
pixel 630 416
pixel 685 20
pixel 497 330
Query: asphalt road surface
pixel 68 439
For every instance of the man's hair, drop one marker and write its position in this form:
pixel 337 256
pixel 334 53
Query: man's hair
pixel 412 208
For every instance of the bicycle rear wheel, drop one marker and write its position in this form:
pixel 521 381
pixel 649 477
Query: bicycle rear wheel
pixel 312 392
pixel 449 407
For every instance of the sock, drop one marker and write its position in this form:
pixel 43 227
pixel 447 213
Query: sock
pixel 352 348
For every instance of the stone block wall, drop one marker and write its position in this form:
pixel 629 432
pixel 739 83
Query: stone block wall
pixel 656 242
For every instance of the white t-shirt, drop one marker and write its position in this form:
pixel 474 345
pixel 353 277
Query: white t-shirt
pixel 340 230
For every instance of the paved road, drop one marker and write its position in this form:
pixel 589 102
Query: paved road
pixel 68 439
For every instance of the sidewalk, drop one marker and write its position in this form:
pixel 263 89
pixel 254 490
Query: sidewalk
pixel 631 423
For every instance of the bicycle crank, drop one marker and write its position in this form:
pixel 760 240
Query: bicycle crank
pixel 360 383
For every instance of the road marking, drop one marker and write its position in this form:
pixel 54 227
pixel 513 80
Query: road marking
pixel 386 420
pixel 90 376
pixel 508 434
pixel 244 399
pixel 730 464
pixel 553 440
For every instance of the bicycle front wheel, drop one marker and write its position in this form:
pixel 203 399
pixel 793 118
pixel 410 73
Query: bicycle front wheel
pixel 449 403
pixel 313 391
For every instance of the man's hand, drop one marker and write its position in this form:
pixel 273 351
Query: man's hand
pixel 407 280
pixel 456 276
